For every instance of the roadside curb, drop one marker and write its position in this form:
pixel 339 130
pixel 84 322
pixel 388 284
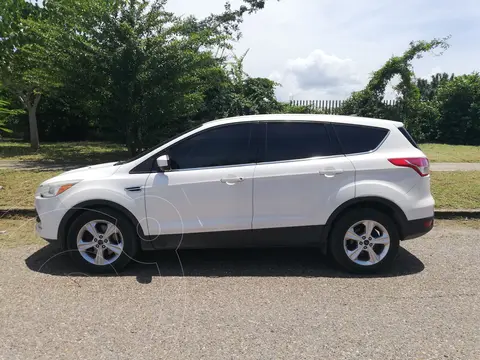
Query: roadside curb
pixel 454 214
pixel 439 213
pixel 18 212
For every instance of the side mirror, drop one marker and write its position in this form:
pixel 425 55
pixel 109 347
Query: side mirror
pixel 163 162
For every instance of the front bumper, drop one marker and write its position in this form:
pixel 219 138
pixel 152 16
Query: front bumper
pixel 416 228
pixel 50 212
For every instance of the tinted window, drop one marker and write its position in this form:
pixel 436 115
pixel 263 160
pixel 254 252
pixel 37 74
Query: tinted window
pixel 146 151
pixel 358 139
pixel 226 145
pixel 292 140
pixel 408 136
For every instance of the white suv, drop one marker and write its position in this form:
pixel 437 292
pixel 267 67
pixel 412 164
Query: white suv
pixel 354 187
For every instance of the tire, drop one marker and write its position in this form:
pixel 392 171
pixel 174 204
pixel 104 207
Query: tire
pixel 118 247
pixel 361 254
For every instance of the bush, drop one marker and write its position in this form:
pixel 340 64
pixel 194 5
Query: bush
pixel 458 104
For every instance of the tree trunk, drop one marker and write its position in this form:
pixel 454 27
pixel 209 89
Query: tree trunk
pixel 133 142
pixel 31 107
pixel 32 122
pixel 130 142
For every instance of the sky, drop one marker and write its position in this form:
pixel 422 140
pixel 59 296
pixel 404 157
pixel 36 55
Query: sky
pixel 325 49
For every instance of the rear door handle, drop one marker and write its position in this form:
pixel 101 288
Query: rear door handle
pixel 231 180
pixel 330 172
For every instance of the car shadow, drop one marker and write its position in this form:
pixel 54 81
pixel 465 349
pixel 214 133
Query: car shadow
pixel 297 262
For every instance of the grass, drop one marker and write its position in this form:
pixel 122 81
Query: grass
pixel 19 187
pixel 456 189
pixel 65 152
pixel 18 231
pixel 451 153
pixel 451 190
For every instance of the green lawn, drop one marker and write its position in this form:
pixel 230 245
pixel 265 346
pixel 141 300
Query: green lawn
pixel 451 153
pixel 18 231
pixel 451 190
pixel 456 189
pixel 87 152
pixel 19 187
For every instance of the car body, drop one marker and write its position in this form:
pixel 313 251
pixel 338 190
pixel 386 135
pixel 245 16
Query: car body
pixel 262 180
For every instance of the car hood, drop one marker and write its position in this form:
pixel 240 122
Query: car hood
pixel 88 172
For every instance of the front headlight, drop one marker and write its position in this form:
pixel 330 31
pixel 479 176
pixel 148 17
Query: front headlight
pixel 51 190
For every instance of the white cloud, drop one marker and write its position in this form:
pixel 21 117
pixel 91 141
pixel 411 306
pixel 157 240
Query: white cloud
pixel 322 71
pixel 318 74
pixel 282 39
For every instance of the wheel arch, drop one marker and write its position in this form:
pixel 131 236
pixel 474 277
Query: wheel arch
pixel 374 202
pixel 76 210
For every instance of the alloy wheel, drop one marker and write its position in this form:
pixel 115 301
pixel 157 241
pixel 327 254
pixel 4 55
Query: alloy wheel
pixel 100 242
pixel 366 242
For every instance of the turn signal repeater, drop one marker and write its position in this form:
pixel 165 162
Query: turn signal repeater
pixel 64 188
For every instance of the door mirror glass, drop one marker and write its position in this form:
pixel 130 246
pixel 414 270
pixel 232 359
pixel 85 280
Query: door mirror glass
pixel 163 162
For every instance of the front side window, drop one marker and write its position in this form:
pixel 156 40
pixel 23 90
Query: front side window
pixel 222 146
pixel 296 140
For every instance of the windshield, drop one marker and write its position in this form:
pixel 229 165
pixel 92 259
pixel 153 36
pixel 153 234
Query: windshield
pixel 142 153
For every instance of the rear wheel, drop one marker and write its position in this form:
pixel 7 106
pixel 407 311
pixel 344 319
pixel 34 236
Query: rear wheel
pixel 364 241
pixel 102 240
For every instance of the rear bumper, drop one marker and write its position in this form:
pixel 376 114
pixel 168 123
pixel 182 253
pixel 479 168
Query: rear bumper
pixel 417 228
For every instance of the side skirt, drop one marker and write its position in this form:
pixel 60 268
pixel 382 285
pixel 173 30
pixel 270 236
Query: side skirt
pixel 301 236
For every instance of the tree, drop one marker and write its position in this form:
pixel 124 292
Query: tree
pixel 416 115
pixel 5 111
pixel 23 72
pixel 458 104
pixel 249 95
pixel 144 72
pixel 428 89
pixel 235 93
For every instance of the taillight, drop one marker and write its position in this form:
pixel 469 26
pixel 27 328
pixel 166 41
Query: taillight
pixel 420 165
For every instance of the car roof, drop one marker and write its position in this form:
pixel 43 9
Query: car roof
pixel 308 117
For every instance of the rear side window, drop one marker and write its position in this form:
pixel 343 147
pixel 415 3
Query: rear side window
pixel 359 139
pixel 408 136
pixel 295 140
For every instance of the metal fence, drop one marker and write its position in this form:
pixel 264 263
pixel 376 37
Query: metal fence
pixel 329 106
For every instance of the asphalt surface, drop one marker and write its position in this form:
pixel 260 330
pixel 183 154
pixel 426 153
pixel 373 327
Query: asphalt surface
pixel 455 166
pixel 246 304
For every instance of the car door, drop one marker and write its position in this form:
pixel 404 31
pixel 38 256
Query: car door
pixel 209 186
pixel 301 176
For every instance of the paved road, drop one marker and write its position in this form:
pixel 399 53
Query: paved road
pixel 455 166
pixel 256 304
pixel 34 165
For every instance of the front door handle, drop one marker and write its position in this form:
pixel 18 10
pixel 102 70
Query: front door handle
pixel 231 180
pixel 330 172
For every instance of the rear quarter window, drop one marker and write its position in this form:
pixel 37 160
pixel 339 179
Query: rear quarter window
pixel 356 139
pixel 408 136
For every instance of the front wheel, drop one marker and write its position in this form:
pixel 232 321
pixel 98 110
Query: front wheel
pixel 364 241
pixel 102 240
